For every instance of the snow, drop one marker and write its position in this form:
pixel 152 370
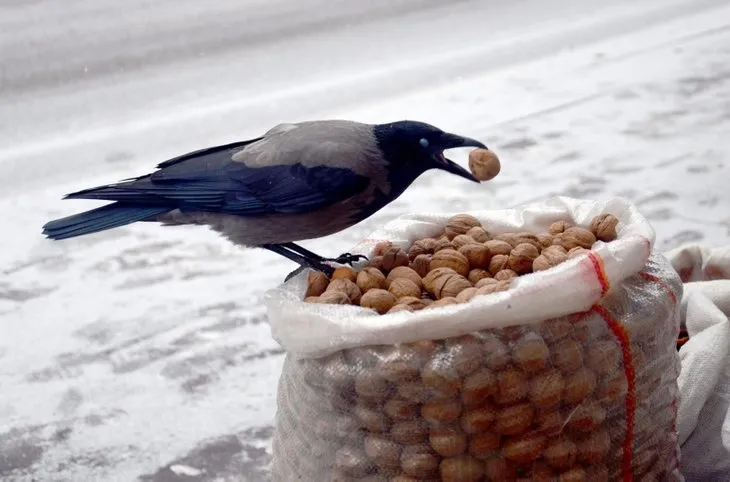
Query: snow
pixel 144 353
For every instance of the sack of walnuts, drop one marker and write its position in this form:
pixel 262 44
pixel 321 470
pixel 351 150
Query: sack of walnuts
pixel 535 343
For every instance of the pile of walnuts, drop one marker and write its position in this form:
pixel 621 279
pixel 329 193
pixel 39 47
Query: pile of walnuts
pixel 465 261
pixel 542 402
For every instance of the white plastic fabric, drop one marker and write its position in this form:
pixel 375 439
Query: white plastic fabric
pixel 318 428
pixel 315 330
pixel 704 382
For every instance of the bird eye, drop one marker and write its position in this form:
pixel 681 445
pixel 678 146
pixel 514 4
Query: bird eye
pixel 423 142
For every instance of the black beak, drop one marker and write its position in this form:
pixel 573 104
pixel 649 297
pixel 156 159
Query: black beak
pixel 451 141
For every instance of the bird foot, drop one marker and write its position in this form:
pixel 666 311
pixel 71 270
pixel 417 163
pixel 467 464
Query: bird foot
pixel 325 268
pixel 347 258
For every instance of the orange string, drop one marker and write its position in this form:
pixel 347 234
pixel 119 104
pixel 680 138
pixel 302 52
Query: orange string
pixel 619 331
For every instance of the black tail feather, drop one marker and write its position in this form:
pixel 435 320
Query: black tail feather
pixel 100 219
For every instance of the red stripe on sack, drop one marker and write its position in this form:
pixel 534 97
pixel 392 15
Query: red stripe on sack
pixel 660 282
pixel 618 330
pixel 600 272
pixel 676 433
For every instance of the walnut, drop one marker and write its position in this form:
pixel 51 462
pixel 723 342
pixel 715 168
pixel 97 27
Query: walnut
pixel 559 227
pixel 524 449
pixel 430 278
pixel 460 224
pixel 549 421
pixel 317 283
pixel 577 251
pixel 479 234
pixel 550 256
pixel 485 282
pixel 478 419
pixel 370 278
pixel 478 387
pixel 496 352
pixel 442 243
pixel 497 246
pixel 484 445
pixel 409 432
pixel 513 386
pixel 449 300
pixel 462 240
pixel 521 258
pixel 352 462
pixel 579 385
pixel 371 386
pixel 498 263
pixel 413 302
pixel 449 258
pixel 560 453
pixel 422 264
pixel 381 247
pixel 505 275
pixel 545 240
pixel 567 355
pixel 400 410
pixel 477 274
pixel 399 307
pixel 402 287
pixel 586 417
pixel 603 227
pixel 449 285
pixel 442 410
pixel 575 237
pixel 466 295
pixel 546 389
pixel 370 419
pixel 330 298
pixel 404 272
pixel 463 468
pixel 447 441
pixel 529 238
pixel 382 451
pixel 575 474
pixel 484 164
pixel 500 285
pixel 344 272
pixel 421 246
pixel 378 300
pixel 498 468
pixel 478 255
pixel 418 462
pixel 509 238
pixel 594 448
pixel 514 420
pixel 348 287
pixel 531 353
pixel 393 257
pixel 376 262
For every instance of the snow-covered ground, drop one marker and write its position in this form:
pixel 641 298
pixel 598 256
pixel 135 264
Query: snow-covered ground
pixel 143 353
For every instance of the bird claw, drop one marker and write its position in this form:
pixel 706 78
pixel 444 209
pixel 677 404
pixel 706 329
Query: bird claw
pixel 320 265
pixel 348 258
pixel 325 268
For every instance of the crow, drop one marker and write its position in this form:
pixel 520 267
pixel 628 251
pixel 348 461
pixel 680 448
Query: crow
pixel 296 182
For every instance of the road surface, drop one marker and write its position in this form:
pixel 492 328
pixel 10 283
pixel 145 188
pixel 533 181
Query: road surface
pixel 143 353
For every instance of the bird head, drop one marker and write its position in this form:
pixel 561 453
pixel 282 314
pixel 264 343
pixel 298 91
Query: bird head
pixel 418 147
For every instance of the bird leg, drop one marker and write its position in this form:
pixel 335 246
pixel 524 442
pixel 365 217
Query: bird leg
pixel 346 258
pixel 314 262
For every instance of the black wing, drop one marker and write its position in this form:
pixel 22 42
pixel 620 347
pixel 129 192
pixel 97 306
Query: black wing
pixel 208 180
